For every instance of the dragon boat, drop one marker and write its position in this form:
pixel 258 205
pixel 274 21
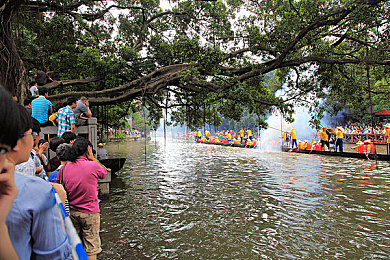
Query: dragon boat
pixel 372 156
pixel 229 144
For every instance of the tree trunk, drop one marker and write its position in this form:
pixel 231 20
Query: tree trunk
pixel 13 75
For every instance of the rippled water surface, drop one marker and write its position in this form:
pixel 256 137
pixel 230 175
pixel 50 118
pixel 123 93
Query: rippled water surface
pixel 195 201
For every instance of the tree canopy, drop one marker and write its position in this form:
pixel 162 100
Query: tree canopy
pixel 197 54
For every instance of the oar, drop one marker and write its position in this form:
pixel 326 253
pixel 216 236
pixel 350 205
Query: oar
pixel 376 156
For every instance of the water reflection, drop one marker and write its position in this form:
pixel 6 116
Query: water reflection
pixel 199 201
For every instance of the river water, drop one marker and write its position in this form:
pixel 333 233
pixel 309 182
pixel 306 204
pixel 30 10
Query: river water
pixel 194 201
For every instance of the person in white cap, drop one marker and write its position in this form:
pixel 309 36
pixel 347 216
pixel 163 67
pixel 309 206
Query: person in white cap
pixel 360 147
pixel 387 135
pixel 339 139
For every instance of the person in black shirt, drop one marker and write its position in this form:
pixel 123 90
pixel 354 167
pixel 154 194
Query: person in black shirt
pixel 42 78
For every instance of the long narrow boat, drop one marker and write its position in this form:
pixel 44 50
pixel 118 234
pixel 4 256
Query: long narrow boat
pixel 115 164
pixel 226 144
pixel 382 157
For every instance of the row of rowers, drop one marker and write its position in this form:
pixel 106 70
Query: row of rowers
pixel 243 137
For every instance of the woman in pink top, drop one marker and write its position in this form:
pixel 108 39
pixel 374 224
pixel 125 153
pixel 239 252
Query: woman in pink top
pixel 79 178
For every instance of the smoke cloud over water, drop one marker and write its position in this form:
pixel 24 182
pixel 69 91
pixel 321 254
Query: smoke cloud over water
pixel 271 138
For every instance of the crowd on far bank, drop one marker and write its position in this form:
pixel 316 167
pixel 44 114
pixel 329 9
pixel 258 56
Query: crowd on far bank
pixel 361 128
pixel 34 190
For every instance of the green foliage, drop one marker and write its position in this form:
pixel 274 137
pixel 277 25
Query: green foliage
pixel 317 50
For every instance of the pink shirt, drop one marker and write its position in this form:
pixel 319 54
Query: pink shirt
pixel 80 182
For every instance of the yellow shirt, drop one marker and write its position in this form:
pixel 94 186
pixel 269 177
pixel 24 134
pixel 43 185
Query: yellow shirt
pixel 323 135
pixel 229 136
pixel 293 134
pixel 200 134
pixel 242 133
pixel 53 119
pixel 388 135
pixel 249 132
pixel 339 134
pixel 249 142
pixel 284 136
pixel 208 134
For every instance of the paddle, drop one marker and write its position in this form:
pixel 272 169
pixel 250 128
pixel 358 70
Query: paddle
pixel 367 156
pixel 376 156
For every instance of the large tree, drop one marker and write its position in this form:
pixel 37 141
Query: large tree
pixel 114 51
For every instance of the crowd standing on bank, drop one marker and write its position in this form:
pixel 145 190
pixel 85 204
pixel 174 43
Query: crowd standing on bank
pixel 31 225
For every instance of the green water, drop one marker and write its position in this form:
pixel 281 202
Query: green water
pixel 194 201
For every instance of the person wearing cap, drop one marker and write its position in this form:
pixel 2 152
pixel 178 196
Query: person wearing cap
pixel 360 147
pixel 387 135
pixel 370 146
pixel 293 134
pixel 324 138
pixel 101 153
pixel 339 139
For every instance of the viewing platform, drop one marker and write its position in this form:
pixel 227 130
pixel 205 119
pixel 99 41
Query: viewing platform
pixel 88 131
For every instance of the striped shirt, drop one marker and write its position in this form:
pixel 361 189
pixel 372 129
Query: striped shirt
pixel 66 118
pixel 40 109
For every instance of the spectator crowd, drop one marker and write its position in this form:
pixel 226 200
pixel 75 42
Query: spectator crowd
pixel 361 128
pixel 31 223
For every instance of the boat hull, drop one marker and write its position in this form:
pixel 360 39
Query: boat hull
pixel 115 164
pixel 382 157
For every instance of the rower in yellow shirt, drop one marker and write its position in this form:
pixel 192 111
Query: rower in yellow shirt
pixel 207 135
pixel 249 133
pixel 293 138
pixel 286 138
pixel 199 135
pixel 387 135
pixel 339 138
pixel 242 135
pixel 228 137
pixel 324 138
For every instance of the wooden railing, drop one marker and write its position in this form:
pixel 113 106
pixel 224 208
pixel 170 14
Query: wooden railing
pixel 354 138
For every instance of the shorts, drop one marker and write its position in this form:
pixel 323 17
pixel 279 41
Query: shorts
pixel 324 143
pixel 87 226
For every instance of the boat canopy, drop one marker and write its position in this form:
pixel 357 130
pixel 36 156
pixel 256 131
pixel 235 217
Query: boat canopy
pixel 382 113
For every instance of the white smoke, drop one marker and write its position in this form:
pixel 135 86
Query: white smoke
pixel 271 138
